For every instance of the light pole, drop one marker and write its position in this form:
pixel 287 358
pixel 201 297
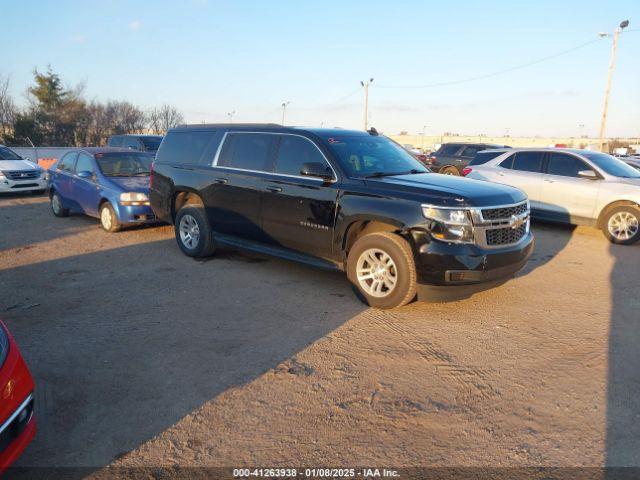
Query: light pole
pixel 230 115
pixel 284 109
pixel 424 129
pixel 612 65
pixel 366 101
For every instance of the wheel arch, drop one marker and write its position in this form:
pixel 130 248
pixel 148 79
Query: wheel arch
pixel 359 228
pixel 182 197
pixel 607 208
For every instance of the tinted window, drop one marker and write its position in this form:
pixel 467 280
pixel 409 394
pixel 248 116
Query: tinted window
pixel 294 152
pixel 8 154
pixel 115 142
pixel 187 147
pixel 366 155
pixel 471 150
pixel 124 164
pixel 508 162
pixel 248 151
pixel 527 161
pixel 449 149
pixel 483 157
pixel 66 163
pixel 565 165
pixel 84 163
pixel 151 143
pixel 131 142
pixel 612 165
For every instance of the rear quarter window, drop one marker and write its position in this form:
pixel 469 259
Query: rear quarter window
pixel 450 149
pixel 189 147
pixel 483 157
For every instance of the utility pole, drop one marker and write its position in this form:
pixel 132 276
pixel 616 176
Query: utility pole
pixel 284 109
pixel 424 129
pixel 230 115
pixel 366 101
pixel 612 65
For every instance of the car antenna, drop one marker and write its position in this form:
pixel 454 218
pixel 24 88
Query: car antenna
pixel 373 131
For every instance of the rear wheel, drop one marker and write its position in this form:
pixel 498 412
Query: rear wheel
pixel 450 171
pixel 108 218
pixel 193 233
pixel 56 206
pixel 622 225
pixel 380 266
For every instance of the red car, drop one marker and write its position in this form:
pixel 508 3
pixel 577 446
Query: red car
pixel 17 425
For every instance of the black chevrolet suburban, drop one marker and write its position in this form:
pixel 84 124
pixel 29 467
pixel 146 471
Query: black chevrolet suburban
pixel 349 200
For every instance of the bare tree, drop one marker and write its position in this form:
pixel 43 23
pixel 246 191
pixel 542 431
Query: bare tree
pixel 164 118
pixel 8 110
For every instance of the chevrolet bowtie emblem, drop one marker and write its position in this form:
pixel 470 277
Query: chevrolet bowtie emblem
pixel 516 222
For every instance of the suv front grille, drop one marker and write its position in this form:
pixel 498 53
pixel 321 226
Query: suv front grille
pixel 506 236
pixel 504 212
pixel 21 174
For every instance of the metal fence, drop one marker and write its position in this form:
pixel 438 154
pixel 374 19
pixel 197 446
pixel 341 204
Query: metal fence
pixel 43 156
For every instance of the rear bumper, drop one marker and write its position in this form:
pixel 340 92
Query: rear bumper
pixel 12 186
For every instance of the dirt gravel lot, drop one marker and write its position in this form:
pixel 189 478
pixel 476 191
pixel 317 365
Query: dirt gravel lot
pixel 144 357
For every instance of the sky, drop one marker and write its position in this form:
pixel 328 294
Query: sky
pixel 212 57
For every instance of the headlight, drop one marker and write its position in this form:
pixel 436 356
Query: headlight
pixel 134 198
pixel 449 224
pixel 4 345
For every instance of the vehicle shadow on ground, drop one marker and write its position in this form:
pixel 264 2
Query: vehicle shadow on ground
pixel 623 376
pixel 141 344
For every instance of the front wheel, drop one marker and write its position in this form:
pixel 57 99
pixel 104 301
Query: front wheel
pixel 193 233
pixel 622 225
pixel 108 218
pixel 381 268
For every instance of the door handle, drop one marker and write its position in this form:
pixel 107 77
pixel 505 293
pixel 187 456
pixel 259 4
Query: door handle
pixel 549 181
pixel 274 189
pixel 221 181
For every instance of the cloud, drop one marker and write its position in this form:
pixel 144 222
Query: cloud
pixel 135 25
pixel 79 38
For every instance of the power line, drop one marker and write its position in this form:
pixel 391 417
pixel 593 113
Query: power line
pixel 494 74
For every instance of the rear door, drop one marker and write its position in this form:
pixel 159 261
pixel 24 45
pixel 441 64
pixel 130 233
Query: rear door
pixel 467 154
pixel 85 189
pixel 564 192
pixel 524 170
pixel 298 212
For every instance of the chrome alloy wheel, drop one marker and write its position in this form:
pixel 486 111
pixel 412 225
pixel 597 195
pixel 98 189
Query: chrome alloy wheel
pixel 105 218
pixel 376 272
pixel 623 225
pixel 189 232
pixel 55 204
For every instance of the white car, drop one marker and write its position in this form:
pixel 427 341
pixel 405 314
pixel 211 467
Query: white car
pixel 18 174
pixel 580 187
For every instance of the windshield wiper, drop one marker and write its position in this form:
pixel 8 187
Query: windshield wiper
pixel 392 174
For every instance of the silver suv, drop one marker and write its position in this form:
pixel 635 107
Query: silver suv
pixel 580 187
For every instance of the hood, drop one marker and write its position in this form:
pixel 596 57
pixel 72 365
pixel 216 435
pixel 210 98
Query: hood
pixel 17 165
pixel 130 184
pixel 448 190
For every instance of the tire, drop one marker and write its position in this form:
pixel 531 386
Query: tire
pixel 193 233
pixel 56 206
pixel 622 224
pixel 402 266
pixel 108 218
pixel 450 171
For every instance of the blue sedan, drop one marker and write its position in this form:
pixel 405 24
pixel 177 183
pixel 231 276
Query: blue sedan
pixel 107 183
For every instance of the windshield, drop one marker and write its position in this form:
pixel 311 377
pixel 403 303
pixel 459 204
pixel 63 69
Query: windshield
pixel 371 156
pixel 612 165
pixel 151 143
pixel 8 154
pixel 124 164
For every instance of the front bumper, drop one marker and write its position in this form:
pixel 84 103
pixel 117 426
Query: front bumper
pixel 12 186
pixel 16 433
pixel 443 264
pixel 135 214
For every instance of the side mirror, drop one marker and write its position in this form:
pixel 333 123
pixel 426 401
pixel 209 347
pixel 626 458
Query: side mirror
pixel 85 174
pixel 588 174
pixel 316 169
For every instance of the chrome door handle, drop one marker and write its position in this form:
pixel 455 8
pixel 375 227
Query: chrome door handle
pixel 274 189
pixel 221 181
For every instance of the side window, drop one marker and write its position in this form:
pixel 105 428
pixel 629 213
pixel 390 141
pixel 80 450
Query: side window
pixel 84 163
pixel 115 142
pixel 247 151
pixel 565 165
pixel 471 150
pixel 131 142
pixel 528 161
pixel 508 162
pixel 187 147
pixel 483 157
pixel 294 151
pixel 449 149
pixel 67 162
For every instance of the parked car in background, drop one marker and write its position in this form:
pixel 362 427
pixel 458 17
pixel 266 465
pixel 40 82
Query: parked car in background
pixel 17 423
pixel 580 187
pixel 18 174
pixel 451 158
pixel 347 200
pixel 633 161
pixel 107 183
pixel 142 143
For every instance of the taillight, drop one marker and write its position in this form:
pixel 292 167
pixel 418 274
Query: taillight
pixel 151 175
pixel 466 171
pixel 431 160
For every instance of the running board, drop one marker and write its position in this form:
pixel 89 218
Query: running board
pixel 272 250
